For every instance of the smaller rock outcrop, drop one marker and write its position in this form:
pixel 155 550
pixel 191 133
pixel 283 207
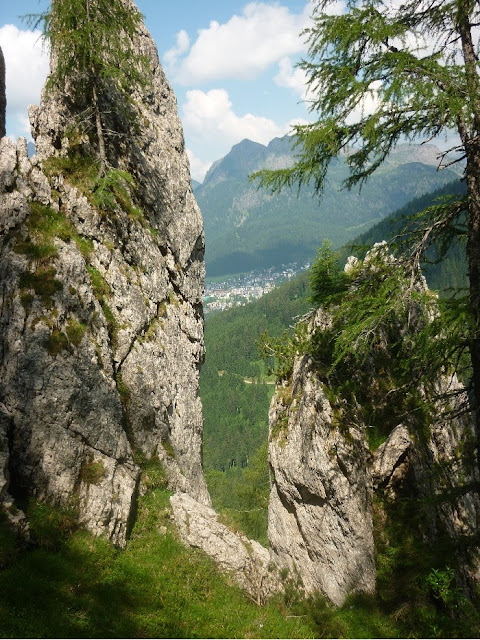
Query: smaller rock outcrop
pixel 335 490
pixel 245 560
pixel 320 512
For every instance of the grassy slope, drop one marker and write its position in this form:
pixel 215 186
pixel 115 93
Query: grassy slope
pixel 71 585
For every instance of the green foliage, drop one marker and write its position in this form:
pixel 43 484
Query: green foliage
pixel 102 291
pixel 79 586
pixel 107 191
pixel 112 191
pixel 75 331
pixel 280 351
pixel 43 282
pixel 45 224
pixel 99 284
pixel 327 279
pixel 154 475
pixel 374 52
pixel 93 471
pixel 122 388
pixel 92 41
pixel 8 543
pixel 74 585
pixel 80 170
pixel 234 383
pixel 440 582
pixel 242 494
pixel 352 59
pixel 50 526
pixel 57 342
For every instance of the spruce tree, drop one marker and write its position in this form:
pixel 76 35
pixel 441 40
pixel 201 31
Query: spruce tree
pixel 384 72
pixel 95 63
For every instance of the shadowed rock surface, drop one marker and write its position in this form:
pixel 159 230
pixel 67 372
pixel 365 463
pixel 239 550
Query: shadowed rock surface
pixel 246 560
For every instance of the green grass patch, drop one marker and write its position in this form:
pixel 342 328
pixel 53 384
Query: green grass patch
pixel 123 390
pixel 108 193
pixel 93 471
pixel 50 526
pixel 43 282
pixel 57 342
pixel 45 224
pixel 102 289
pixel 75 331
pixel 74 585
pixel 83 587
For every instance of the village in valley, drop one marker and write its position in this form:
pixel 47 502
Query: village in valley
pixel 236 291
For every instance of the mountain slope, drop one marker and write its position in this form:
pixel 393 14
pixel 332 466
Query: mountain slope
pixel 235 411
pixel 247 228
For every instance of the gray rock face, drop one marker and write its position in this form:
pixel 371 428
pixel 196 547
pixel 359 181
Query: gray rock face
pixel 325 477
pixel 101 317
pixel 320 519
pixel 435 473
pixel 246 560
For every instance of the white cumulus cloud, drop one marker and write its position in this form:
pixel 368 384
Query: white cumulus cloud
pixel 242 47
pixel 182 46
pixel 198 168
pixel 291 77
pixel 26 62
pixel 209 116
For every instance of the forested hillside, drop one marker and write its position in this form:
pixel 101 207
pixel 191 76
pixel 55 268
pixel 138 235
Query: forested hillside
pixel 234 384
pixel 247 228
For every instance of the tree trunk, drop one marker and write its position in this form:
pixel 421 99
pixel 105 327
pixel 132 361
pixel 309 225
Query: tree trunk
pixel 100 136
pixel 3 98
pixel 469 132
pixel 473 260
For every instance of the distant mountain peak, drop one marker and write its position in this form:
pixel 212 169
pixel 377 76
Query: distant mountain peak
pixel 248 228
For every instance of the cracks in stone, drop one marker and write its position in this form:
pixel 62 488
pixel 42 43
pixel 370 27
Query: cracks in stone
pixel 197 252
pixel 383 483
pixel 141 333
pixel 341 465
pixel 132 516
pixel 85 442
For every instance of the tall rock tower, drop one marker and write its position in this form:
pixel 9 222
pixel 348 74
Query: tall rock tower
pixel 101 324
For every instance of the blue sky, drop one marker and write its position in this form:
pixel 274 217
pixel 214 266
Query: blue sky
pixel 231 64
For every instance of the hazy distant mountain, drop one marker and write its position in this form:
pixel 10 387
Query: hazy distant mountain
pixel 247 228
